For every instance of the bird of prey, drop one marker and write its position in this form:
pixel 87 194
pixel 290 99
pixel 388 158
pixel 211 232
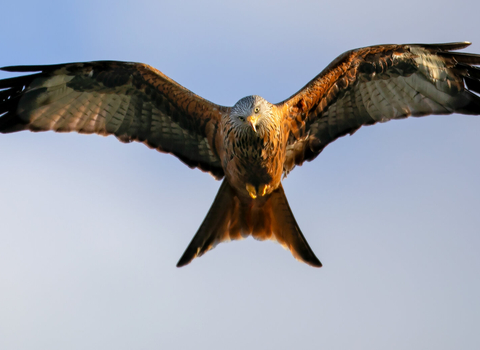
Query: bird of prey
pixel 253 144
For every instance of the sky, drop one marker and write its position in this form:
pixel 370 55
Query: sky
pixel 91 229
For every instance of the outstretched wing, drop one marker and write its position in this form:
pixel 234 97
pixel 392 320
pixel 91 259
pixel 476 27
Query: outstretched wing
pixel 378 84
pixel 132 101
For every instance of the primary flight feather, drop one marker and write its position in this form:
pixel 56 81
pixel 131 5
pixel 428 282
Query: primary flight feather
pixel 254 143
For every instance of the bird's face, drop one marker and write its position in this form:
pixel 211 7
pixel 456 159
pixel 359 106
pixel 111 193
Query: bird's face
pixel 252 114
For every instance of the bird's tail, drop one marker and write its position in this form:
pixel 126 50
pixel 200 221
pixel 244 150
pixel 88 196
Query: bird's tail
pixel 229 218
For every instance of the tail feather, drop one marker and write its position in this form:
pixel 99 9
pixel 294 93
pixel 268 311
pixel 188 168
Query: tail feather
pixel 216 226
pixel 285 230
pixel 231 219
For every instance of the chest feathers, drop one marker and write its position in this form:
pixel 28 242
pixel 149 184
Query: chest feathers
pixel 254 160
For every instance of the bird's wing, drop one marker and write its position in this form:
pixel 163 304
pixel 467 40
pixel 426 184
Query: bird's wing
pixel 132 101
pixel 378 84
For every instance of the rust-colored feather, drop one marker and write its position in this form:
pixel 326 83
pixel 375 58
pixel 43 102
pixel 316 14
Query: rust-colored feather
pixel 377 84
pixel 232 218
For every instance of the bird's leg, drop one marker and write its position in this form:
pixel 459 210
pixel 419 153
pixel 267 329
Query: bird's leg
pixel 262 189
pixel 252 191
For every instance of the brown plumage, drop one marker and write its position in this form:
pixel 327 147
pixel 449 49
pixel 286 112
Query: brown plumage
pixel 254 143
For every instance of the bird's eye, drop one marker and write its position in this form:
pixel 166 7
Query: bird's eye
pixel 257 109
pixel 242 118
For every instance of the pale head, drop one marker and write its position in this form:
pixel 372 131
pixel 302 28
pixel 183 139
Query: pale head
pixel 252 113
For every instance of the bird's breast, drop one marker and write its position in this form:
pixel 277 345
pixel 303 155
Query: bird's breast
pixel 253 162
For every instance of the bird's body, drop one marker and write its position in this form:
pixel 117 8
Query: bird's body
pixel 253 144
pixel 254 154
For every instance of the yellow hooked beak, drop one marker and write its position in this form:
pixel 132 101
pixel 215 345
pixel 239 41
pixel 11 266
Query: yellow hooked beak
pixel 252 120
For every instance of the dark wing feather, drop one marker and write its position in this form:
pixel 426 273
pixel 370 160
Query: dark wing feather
pixel 132 101
pixel 378 84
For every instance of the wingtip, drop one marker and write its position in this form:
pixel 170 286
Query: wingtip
pixel 184 261
pixel 32 68
pixel 453 46
pixel 315 263
pixel 309 259
pixel 18 69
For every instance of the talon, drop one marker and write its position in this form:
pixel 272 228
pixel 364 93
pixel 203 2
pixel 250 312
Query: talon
pixel 251 191
pixel 263 190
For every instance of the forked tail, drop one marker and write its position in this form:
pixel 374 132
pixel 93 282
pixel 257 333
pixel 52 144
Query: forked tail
pixel 266 218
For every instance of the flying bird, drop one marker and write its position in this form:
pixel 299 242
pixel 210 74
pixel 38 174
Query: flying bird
pixel 255 143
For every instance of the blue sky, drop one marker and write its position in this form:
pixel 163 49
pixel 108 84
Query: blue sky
pixel 91 229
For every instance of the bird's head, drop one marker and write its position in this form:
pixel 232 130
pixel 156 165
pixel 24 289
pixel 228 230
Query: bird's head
pixel 252 112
